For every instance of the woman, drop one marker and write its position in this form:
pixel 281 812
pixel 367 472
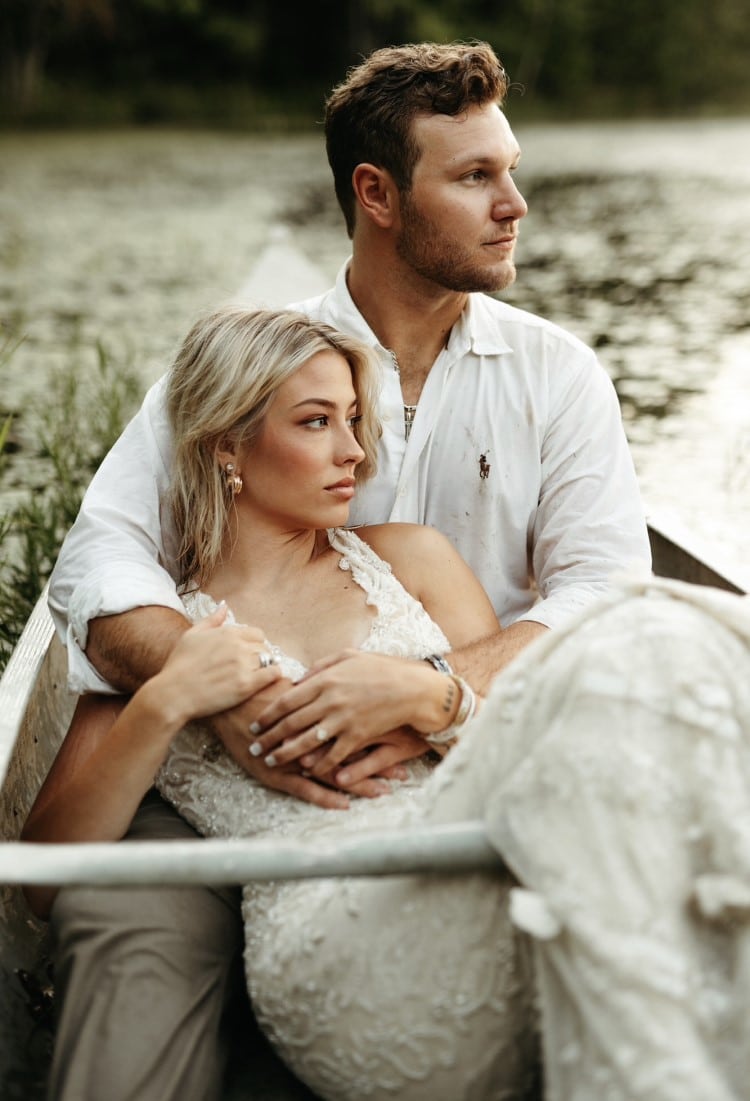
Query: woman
pixel 600 795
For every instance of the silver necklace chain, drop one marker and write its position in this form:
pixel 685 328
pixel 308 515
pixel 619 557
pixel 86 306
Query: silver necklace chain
pixel 409 410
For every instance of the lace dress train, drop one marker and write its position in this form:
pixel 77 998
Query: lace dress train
pixel 611 767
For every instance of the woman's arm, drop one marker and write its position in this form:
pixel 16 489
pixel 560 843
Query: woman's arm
pixel 104 768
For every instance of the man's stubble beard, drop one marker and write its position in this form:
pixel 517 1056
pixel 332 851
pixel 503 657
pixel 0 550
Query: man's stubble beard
pixel 445 263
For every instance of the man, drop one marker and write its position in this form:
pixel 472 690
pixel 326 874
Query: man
pixel 498 428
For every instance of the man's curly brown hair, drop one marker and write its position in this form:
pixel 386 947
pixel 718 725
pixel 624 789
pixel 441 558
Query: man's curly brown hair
pixel 368 117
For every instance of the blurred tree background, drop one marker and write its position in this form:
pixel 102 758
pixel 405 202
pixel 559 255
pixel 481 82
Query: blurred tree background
pixel 266 63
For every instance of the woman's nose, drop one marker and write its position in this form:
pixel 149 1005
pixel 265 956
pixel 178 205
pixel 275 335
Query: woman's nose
pixel 350 450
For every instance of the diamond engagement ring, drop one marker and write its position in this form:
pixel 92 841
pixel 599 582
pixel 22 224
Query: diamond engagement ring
pixel 265 659
pixel 321 734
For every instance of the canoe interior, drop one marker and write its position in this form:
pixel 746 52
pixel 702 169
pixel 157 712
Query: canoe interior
pixel 35 709
pixel 25 1013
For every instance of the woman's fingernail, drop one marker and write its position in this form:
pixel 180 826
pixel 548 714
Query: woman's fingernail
pixel 255 728
pixel 344 777
pixel 255 749
pixel 271 760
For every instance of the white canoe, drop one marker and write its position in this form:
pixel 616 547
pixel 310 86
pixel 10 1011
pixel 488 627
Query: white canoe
pixel 35 710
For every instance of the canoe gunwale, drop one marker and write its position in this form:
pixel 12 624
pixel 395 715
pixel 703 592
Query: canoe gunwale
pixel 678 554
pixel 460 846
pixel 20 678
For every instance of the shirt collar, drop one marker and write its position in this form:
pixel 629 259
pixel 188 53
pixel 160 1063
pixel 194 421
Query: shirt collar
pixel 476 330
pixel 345 314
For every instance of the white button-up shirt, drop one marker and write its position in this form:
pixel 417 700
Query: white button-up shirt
pixel 517 453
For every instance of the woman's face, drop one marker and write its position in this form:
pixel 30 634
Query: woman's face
pixel 299 471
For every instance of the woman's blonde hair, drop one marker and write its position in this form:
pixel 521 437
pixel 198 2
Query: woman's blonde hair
pixel 220 386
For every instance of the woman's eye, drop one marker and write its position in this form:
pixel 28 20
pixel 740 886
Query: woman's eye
pixel 353 421
pixel 316 422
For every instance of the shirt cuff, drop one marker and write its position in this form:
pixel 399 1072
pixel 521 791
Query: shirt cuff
pixel 556 610
pixel 137 587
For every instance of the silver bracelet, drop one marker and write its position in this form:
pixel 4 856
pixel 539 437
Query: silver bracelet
pixel 437 661
pixel 467 706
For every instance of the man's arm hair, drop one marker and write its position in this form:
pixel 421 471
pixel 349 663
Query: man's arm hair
pixel 128 648
pixel 480 662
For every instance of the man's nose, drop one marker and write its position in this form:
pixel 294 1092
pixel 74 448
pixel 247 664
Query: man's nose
pixel 510 203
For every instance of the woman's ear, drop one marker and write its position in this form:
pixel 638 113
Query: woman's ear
pixel 376 194
pixel 225 451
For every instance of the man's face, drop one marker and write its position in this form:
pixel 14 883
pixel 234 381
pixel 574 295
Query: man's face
pixel 459 220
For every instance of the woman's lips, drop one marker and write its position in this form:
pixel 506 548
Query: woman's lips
pixel 344 488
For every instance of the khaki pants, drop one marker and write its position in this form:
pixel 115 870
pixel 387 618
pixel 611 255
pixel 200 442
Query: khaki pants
pixel 143 979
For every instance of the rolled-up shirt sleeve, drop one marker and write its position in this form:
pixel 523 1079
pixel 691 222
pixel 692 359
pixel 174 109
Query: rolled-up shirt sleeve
pixel 119 553
pixel 590 521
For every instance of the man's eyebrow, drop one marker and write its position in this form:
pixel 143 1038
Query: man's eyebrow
pixel 483 158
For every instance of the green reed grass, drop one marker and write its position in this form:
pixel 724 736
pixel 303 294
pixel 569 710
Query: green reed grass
pixel 84 412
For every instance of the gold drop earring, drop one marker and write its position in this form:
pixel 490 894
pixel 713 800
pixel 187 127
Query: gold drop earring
pixel 233 479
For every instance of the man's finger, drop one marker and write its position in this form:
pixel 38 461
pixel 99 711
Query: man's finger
pixel 370 789
pixel 379 762
pixel 311 792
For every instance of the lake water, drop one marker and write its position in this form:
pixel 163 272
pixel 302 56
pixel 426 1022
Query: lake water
pixel 636 240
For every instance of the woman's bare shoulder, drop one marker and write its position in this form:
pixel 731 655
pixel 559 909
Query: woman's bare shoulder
pixel 402 539
pixel 431 569
pixel 407 547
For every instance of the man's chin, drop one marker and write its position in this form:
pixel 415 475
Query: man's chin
pixel 492 282
pixel 506 277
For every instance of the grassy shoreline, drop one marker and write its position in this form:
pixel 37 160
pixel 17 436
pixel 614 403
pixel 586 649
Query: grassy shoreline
pixel 72 432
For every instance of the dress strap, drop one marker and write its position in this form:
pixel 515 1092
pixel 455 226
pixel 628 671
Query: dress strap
pixel 402 625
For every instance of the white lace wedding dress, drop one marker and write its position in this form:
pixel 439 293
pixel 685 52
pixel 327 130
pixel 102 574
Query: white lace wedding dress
pixel 619 791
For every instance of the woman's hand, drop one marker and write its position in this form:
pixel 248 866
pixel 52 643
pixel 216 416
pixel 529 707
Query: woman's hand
pixel 349 702
pixel 232 729
pixel 214 670
pixel 213 667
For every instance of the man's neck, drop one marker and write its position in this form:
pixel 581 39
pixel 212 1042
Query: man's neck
pixel 410 317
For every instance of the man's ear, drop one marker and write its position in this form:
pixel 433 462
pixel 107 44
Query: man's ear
pixel 376 194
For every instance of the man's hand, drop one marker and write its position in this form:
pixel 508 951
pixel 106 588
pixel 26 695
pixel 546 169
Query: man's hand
pixel 384 758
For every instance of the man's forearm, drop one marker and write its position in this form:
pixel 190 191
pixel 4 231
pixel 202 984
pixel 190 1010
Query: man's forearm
pixel 480 662
pixel 128 648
